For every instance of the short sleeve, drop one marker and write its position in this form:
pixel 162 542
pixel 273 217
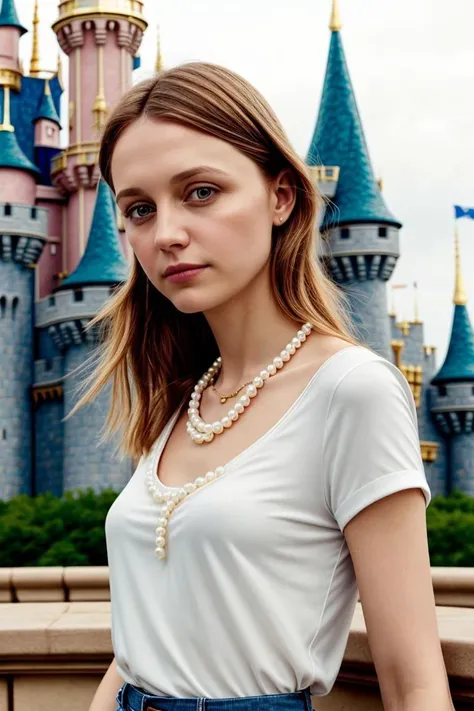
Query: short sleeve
pixel 371 443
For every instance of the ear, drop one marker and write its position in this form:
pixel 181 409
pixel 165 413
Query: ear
pixel 283 195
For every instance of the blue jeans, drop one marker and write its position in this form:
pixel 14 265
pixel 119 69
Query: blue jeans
pixel 130 698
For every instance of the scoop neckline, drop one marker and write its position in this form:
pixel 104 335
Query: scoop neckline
pixel 158 448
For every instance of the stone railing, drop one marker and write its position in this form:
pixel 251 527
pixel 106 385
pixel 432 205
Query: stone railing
pixel 453 587
pixel 53 655
pixel 55 641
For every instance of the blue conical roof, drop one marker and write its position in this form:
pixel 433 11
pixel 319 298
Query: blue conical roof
pixel 9 16
pixel 103 261
pixel 11 155
pixel 47 109
pixel 459 362
pixel 339 140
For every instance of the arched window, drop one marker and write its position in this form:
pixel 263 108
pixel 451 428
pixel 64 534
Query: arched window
pixel 4 434
pixel 34 213
pixel 3 306
pixel 15 303
pixel 7 210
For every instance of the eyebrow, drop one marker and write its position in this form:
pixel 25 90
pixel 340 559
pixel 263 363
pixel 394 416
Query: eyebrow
pixel 178 178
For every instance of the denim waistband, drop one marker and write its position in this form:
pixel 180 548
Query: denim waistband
pixel 130 698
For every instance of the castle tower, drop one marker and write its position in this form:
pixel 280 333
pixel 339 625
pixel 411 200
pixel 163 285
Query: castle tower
pixel 362 235
pixel 64 316
pixel 101 38
pixel 23 232
pixel 47 128
pixel 453 392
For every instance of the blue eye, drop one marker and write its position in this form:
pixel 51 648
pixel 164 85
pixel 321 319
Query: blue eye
pixel 203 193
pixel 139 212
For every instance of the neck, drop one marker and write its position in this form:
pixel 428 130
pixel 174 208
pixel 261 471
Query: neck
pixel 250 331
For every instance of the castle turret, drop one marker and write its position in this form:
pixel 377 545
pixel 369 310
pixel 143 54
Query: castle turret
pixel 65 317
pixel 453 392
pixel 23 232
pixel 47 128
pixel 10 32
pixel 101 40
pixel 362 234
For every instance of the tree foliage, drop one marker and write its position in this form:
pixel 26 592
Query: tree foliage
pixel 69 530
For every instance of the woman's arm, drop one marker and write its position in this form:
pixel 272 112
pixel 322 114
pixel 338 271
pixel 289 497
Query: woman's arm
pixel 389 548
pixel 104 698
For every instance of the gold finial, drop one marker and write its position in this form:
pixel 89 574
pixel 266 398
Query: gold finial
pixel 460 296
pixel 6 123
pixel 59 70
pixel 159 57
pixel 35 59
pixel 335 25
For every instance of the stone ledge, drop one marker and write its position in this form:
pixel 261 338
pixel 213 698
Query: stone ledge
pixel 454 587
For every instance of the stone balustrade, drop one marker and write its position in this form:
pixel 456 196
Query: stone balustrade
pixel 453 587
pixel 53 655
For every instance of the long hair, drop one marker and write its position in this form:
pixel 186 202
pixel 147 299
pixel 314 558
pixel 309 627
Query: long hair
pixel 153 353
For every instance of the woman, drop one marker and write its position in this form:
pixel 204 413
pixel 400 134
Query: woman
pixel 279 463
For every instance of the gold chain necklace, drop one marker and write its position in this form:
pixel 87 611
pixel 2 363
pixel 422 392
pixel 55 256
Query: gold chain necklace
pixel 224 398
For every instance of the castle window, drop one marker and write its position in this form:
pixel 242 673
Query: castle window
pixel 48 364
pixel 34 213
pixel 4 434
pixel 7 210
pixel 51 301
pixel 442 390
pixel 53 250
pixel 3 306
pixel 382 231
pixel 15 303
pixel 78 295
pixel 345 233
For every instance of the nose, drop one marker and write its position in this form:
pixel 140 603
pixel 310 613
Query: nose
pixel 169 231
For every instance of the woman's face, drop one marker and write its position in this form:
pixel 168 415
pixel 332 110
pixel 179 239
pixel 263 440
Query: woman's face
pixel 198 213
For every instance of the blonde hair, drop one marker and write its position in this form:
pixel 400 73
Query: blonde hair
pixel 154 353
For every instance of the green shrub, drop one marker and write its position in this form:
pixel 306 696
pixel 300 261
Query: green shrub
pixel 51 530
pixel 69 530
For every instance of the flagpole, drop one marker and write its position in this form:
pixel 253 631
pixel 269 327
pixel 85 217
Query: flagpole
pixel 417 310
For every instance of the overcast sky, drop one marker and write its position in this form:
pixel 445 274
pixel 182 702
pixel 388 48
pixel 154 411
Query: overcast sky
pixel 412 66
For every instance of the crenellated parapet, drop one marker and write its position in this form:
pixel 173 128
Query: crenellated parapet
pixel 453 408
pixel 362 252
pixel 65 316
pixel 76 167
pixel 23 233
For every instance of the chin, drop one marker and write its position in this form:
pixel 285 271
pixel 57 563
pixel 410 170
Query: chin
pixel 188 303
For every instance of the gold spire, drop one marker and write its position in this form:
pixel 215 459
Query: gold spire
pixel 335 25
pixel 35 59
pixel 59 70
pixel 460 296
pixel 159 57
pixel 6 123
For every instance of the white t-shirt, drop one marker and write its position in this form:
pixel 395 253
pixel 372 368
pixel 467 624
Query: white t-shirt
pixel 258 591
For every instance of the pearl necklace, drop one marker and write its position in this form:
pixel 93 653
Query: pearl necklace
pixel 202 432
pixel 171 500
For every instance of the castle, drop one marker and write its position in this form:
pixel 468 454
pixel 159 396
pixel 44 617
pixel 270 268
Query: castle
pixel 62 252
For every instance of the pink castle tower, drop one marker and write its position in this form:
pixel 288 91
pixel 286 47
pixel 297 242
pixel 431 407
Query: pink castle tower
pixel 101 38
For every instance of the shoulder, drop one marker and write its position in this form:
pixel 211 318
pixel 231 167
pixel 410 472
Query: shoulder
pixel 363 376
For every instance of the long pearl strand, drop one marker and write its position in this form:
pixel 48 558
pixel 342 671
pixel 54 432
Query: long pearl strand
pixel 203 432
pixel 171 499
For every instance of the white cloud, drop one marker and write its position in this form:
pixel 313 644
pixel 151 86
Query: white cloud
pixel 411 64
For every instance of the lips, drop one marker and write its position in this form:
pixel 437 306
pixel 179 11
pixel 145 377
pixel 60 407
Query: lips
pixel 181 268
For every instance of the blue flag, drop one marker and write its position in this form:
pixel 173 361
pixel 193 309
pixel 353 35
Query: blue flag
pixel 463 212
